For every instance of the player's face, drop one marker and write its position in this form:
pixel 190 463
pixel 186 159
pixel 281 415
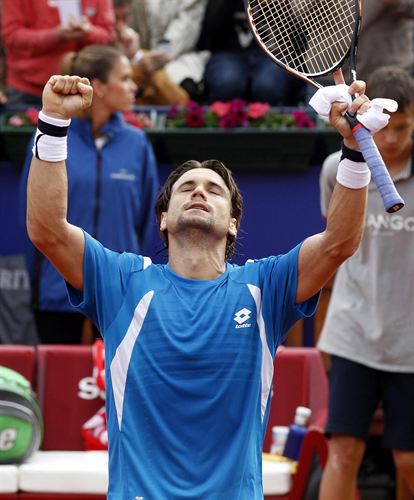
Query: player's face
pixel 395 138
pixel 200 200
pixel 118 93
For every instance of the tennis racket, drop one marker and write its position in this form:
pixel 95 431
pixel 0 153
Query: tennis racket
pixel 310 39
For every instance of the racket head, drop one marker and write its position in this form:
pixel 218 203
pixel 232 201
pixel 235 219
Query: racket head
pixel 309 38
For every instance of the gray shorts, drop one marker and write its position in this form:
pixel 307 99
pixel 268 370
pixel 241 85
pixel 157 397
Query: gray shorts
pixel 355 391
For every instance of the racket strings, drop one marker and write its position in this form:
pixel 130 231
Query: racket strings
pixel 296 44
pixel 309 36
pixel 286 19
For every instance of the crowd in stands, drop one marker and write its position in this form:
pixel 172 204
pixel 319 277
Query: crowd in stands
pixel 179 49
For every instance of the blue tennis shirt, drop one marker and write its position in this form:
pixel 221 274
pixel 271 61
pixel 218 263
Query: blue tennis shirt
pixel 189 367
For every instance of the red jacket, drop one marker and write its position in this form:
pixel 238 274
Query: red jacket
pixel 33 49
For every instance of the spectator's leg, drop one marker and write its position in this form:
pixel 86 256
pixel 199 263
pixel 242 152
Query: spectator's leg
pixel 404 464
pixel 399 423
pixel 272 84
pixel 226 76
pixel 354 392
pixel 339 479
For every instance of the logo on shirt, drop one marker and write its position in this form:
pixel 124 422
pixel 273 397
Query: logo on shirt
pixel 123 175
pixel 241 317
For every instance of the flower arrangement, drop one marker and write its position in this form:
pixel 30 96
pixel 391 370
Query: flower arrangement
pixel 26 118
pixel 235 114
pixel 223 115
pixel 139 120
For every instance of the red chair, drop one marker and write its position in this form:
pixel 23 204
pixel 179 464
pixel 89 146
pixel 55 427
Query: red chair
pixel 314 444
pixel 67 394
pixel 68 397
pixel 299 380
pixel 21 358
pixel 58 496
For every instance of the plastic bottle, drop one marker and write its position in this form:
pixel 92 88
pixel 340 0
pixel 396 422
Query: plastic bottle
pixel 297 432
pixel 279 436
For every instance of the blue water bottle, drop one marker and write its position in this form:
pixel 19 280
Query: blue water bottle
pixel 297 432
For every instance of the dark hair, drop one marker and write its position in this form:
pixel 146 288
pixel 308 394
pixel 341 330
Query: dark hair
pixel 217 166
pixel 93 61
pixel 393 83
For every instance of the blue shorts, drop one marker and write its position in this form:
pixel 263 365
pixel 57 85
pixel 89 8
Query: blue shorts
pixel 355 392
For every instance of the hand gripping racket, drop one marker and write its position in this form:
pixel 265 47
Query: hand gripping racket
pixel 312 38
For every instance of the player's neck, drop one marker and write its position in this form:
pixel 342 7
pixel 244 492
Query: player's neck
pixel 196 261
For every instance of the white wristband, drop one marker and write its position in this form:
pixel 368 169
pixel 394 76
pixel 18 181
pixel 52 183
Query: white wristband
pixel 352 174
pixel 57 122
pixel 50 143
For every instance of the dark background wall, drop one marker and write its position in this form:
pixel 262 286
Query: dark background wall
pixel 281 209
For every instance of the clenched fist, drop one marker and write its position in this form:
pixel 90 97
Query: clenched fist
pixel 66 96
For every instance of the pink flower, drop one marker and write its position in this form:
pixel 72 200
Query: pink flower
pixel 302 120
pixel 33 115
pixel 238 105
pixel 16 121
pixel 194 115
pixel 145 120
pixel 194 107
pixel 220 108
pixel 132 119
pixel 257 109
pixel 195 119
pixel 173 112
pixel 233 120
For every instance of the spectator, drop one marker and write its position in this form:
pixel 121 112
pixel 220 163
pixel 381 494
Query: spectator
pixel 154 88
pixel 35 41
pixel 238 68
pixel 169 30
pixel 368 327
pixel 386 37
pixel 396 19
pixel 112 180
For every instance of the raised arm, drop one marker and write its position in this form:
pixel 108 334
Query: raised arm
pixel 62 243
pixel 323 253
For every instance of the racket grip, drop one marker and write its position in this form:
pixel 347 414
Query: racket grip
pixel 385 185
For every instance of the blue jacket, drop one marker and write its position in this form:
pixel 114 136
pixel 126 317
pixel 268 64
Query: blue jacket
pixel 112 195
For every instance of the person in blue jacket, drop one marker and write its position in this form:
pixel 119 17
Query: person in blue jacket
pixel 112 184
pixel 189 345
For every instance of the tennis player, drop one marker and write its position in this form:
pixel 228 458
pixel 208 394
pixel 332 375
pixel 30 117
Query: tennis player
pixel 189 345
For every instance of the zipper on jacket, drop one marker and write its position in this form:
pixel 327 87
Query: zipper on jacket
pixel 97 194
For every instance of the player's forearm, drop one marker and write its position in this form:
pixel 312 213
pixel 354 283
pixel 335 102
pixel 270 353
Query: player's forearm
pixel 322 254
pixel 46 203
pixel 345 222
